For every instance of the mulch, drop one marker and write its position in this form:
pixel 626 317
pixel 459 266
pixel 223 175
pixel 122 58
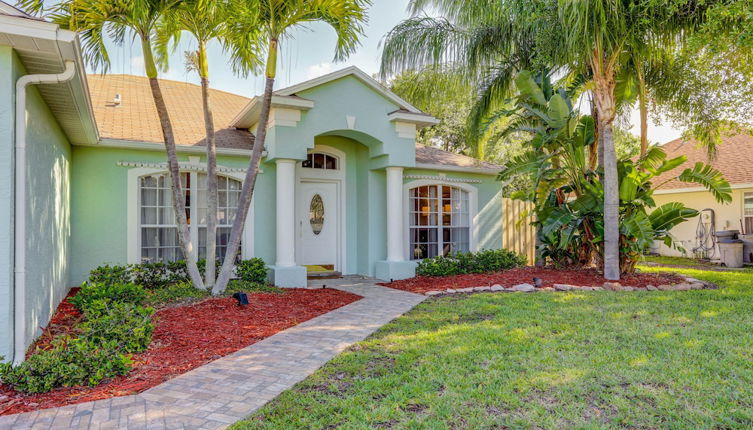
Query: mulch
pixel 508 278
pixel 185 338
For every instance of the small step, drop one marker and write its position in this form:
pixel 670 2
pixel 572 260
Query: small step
pixel 324 274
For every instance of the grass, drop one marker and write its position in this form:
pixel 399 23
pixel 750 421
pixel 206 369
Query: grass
pixel 548 360
pixel 682 261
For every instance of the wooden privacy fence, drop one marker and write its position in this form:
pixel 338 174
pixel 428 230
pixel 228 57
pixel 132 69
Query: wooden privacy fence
pixel 518 236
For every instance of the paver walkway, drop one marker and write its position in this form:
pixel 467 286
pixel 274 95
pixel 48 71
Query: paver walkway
pixel 230 388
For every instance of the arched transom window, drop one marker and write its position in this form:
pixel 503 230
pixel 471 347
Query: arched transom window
pixel 158 228
pixel 439 221
pixel 320 160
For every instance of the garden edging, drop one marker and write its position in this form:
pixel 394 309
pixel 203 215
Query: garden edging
pixel 688 284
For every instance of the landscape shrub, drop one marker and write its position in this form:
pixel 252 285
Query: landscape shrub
pixel 92 292
pixel 253 270
pixel 69 363
pixel 119 326
pixel 461 263
pixel 178 292
pixel 115 324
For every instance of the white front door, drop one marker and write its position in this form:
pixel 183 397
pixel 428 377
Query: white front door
pixel 318 224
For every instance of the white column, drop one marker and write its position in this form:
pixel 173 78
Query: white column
pixel 285 213
pixel 395 214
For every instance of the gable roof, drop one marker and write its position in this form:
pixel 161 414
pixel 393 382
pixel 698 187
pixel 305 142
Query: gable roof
pixel 289 98
pixel 356 73
pixel 10 10
pixel 135 119
pixel 734 159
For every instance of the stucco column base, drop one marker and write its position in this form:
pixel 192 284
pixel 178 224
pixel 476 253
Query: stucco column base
pixel 395 270
pixel 288 276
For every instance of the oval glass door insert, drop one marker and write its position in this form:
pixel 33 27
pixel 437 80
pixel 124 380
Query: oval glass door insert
pixel 316 214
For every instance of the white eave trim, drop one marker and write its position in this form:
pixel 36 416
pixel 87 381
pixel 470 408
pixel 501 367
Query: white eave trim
pixel 699 189
pixel 450 168
pixel 248 116
pixel 420 119
pixel 349 71
pixel 153 146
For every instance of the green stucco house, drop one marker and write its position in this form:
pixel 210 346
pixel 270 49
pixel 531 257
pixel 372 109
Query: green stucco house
pixel 83 181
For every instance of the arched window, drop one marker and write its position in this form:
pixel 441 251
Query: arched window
pixel 158 229
pixel 439 221
pixel 320 160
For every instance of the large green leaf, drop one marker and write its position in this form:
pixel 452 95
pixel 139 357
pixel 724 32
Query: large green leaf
pixel 668 215
pixel 522 164
pixel 711 179
pixel 638 226
pixel 558 218
pixel 558 112
pixel 528 87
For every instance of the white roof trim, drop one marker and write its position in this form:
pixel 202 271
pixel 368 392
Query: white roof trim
pixel 451 168
pixel 699 189
pixel 153 146
pixel 8 9
pixel 349 71
pixel 419 119
pixel 247 117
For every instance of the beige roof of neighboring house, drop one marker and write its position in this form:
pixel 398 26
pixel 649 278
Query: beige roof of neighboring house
pixel 136 117
pixel 734 159
pixel 431 155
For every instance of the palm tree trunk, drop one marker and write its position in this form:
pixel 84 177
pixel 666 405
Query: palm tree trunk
pixel 643 106
pixel 179 199
pixel 594 149
pixel 244 201
pixel 606 106
pixel 211 255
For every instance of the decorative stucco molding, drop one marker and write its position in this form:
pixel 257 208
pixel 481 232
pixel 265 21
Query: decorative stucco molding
pixel 194 167
pixel 444 179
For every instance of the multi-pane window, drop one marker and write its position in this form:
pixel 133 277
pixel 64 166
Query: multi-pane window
pixel 439 221
pixel 318 160
pixel 748 212
pixel 158 229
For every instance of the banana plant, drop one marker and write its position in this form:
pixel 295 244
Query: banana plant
pixel 568 196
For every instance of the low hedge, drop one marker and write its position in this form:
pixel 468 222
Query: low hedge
pixel 461 263
pixel 115 324
pixel 160 275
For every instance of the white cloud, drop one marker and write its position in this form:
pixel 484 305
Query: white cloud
pixel 318 70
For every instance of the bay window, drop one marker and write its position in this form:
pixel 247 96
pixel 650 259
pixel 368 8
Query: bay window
pixel 439 221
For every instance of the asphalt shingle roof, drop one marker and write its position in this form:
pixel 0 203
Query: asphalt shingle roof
pixel 734 159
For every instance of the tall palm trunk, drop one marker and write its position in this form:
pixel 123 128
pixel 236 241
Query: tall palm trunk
pixel 179 198
pixel 606 106
pixel 211 256
pixel 594 149
pixel 643 107
pixel 244 201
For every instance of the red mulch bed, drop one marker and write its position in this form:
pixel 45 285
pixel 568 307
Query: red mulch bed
pixel 185 337
pixel 580 277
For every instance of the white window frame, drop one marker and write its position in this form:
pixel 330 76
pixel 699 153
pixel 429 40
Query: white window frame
pixel 472 212
pixel 133 229
pixel 746 195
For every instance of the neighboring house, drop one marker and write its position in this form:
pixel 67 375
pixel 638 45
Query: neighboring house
pixel 735 160
pixel 343 185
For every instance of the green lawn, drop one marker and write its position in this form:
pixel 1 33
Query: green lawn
pixel 681 261
pixel 548 360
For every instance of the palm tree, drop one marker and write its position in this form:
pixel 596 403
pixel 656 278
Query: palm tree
pixel 273 19
pixel 205 20
pixel 488 41
pixel 598 34
pixel 96 19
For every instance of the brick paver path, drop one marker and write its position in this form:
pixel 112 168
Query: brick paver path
pixel 230 388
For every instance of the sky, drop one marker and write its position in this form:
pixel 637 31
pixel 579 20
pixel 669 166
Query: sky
pixel 308 53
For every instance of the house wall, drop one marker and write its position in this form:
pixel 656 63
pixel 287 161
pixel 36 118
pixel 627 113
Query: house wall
pixel 48 207
pixel 7 97
pixel 728 216
pixel 100 205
